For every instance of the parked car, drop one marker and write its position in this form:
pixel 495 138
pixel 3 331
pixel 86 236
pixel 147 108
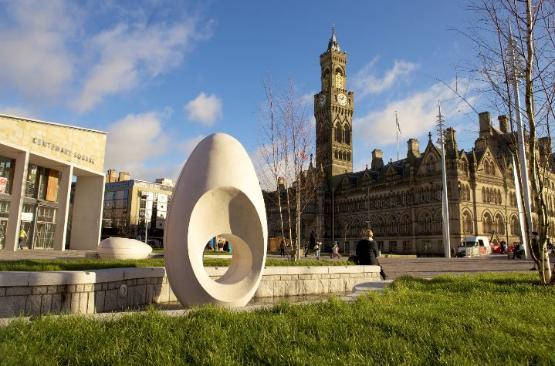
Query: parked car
pixel 473 246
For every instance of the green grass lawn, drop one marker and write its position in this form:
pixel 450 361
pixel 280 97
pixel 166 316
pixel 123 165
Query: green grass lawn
pixel 477 320
pixel 81 264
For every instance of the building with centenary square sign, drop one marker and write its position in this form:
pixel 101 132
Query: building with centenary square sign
pixel 39 161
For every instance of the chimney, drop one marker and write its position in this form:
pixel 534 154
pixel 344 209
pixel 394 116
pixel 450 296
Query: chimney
pixel 123 176
pixel 111 176
pixel 485 123
pixel 450 141
pixel 377 159
pixel 413 149
pixel 503 124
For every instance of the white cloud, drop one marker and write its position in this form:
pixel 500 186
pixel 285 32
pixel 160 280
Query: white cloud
pixel 35 57
pixel 134 139
pixel 307 99
pixel 205 109
pixel 55 48
pixel 417 114
pixel 365 82
pixel 130 53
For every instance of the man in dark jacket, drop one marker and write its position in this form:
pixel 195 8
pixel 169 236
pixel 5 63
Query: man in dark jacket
pixel 368 252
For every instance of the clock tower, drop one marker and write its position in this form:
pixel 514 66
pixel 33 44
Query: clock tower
pixel 333 110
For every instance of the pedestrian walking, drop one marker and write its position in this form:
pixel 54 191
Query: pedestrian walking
pixel 317 247
pixel 22 238
pixel 335 251
pixel 282 248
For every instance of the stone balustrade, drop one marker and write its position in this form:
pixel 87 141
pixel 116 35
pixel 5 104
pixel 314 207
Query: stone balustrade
pixel 116 289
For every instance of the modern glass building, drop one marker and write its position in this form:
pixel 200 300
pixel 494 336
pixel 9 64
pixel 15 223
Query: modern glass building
pixel 38 163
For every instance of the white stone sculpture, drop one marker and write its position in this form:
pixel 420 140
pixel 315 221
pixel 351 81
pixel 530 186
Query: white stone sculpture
pixel 123 248
pixel 217 193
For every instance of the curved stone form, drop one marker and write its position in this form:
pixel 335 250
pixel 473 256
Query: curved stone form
pixel 123 248
pixel 217 193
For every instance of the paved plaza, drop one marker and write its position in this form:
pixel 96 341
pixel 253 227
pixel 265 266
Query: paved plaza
pixel 430 267
pixel 394 266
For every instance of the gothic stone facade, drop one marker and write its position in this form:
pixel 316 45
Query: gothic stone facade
pixel 401 200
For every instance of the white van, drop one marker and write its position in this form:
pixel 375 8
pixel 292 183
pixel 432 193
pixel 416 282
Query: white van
pixel 473 246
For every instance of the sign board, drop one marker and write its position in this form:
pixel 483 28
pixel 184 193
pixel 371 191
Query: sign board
pixel 27 216
pixel 3 184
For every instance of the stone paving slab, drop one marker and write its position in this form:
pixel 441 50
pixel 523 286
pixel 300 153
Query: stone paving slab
pixel 44 254
pixel 431 267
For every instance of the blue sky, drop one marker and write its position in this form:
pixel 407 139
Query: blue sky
pixel 158 76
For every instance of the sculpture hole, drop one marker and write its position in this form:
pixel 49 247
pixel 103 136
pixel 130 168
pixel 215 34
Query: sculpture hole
pixel 218 253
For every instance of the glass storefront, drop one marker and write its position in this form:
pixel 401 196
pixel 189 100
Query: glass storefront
pixel 6 179
pixel 6 175
pixel 4 213
pixel 38 217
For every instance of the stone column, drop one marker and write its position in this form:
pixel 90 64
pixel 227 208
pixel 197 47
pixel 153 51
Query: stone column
pixel 86 220
pixel 63 207
pixel 16 202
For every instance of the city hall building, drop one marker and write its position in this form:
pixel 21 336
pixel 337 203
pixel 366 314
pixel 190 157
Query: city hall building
pixel 401 200
pixel 39 163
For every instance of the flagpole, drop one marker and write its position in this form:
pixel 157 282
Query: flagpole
pixel 445 197
pixel 397 133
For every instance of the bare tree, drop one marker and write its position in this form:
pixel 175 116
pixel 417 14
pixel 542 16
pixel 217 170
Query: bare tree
pixel 288 142
pixel 271 149
pixel 515 42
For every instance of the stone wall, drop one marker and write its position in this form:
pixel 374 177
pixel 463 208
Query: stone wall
pixel 80 292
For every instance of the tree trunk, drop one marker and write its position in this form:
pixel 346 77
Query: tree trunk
pixel 539 244
pixel 298 219
pixel 293 245
pixel 278 192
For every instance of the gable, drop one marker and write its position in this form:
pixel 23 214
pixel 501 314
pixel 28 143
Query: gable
pixel 430 162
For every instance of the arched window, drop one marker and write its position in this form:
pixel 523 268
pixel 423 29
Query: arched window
pixel 394 225
pixel 488 223
pixel 381 226
pixel 405 225
pixel 425 223
pixel 347 134
pixel 468 227
pixel 500 224
pixel 430 165
pixel 326 79
pixel 515 226
pixel 437 222
pixel 338 133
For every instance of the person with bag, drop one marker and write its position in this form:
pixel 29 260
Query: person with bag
pixel 368 252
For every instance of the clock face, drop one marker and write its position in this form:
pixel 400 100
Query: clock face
pixel 341 99
pixel 322 99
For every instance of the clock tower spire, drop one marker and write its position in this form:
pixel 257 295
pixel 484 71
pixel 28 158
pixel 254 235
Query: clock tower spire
pixel 333 110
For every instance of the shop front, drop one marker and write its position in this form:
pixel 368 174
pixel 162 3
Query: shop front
pixel 39 163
